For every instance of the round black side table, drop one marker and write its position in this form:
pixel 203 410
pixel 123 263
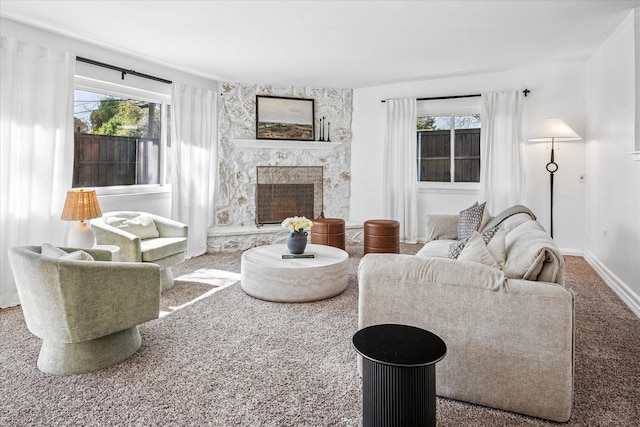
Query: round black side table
pixel 398 375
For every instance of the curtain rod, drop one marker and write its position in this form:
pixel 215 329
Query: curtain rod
pixel 526 92
pixel 122 70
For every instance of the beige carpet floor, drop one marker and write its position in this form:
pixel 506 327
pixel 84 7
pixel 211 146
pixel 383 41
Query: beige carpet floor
pixel 221 358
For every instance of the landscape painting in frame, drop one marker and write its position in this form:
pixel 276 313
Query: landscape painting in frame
pixel 284 118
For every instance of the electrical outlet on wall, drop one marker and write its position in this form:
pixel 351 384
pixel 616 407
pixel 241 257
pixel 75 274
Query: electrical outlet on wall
pixel 582 178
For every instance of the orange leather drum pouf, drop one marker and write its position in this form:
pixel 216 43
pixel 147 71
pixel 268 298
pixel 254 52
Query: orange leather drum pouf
pixel 381 236
pixel 328 231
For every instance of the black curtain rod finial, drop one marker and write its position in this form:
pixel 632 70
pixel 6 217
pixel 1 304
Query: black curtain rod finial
pixel 526 92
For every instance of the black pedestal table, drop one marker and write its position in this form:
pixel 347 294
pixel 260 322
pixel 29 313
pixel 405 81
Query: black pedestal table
pixel 398 375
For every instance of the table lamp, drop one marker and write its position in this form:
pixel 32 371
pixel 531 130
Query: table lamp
pixel 81 205
pixel 553 130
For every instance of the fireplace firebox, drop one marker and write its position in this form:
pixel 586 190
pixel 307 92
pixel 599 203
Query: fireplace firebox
pixel 286 191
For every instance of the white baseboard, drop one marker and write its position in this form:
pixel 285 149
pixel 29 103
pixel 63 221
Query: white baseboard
pixel 626 294
pixel 571 252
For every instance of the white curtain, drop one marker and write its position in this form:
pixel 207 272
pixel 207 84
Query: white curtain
pixel 501 169
pixel 194 161
pixel 399 169
pixel 36 149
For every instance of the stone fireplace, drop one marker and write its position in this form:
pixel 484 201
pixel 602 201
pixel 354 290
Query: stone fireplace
pixel 239 221
pixel 286 191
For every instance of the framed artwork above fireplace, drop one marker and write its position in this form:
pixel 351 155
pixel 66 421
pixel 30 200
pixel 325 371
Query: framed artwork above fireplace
pixel 285 118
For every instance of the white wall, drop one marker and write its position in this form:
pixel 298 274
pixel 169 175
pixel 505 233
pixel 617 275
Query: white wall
pixel 159 200
pixel 556 91
pixel 613 187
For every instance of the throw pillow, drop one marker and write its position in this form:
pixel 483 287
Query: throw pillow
pixel 456 248
pixel 77 256
pixel 470 220
pixel 486 217
pixel 496 246
pixel 476 251
pixel 55 252
pixel 51 251
pixel 141 226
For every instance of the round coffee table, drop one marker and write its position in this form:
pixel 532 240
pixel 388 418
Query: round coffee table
pixel 264 274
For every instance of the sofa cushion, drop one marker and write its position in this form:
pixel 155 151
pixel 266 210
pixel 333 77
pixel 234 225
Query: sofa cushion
pixel 141 226
pixel 441 226
pixel 470 220
pixel 161 247
pixel 476 251
pixel 436 248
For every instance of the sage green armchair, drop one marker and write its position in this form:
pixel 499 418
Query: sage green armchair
pixel 144 237
pixel 85 312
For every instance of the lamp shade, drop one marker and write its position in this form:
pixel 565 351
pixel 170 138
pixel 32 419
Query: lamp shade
pixel 80 205
pixel 554 130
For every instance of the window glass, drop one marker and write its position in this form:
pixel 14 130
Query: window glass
pixel 117 140
pixel 448 148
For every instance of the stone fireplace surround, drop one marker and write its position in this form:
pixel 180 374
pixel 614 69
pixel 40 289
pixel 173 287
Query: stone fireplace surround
pixel 239 154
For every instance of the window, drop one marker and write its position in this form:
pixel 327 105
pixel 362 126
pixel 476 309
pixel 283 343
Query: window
pixel 448 144
pixel 449 148
pixel 121 137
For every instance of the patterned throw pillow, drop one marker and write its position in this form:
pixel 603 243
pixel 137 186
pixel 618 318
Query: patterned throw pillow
pixel 456 248
pixel 470 220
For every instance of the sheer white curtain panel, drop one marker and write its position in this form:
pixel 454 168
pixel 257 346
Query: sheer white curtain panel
pixel 36 149
pixel 500 144
pixel 400 169
pixel 194 165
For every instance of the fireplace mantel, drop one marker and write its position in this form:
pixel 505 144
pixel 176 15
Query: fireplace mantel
pixel 284 144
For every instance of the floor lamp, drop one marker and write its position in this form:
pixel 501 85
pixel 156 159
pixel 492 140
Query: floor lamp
pixel 553 131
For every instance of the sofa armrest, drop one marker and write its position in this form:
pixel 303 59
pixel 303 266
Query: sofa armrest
pixel 441 226
pixel 168 227
pixel 129 244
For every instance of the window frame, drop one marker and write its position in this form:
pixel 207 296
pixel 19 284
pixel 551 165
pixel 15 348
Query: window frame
pixel 108 88
pixel 446 107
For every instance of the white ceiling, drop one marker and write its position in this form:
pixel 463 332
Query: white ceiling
pixel 342 44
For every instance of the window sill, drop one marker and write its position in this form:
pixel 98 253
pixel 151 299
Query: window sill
pixel 445 188
pixel 635 155
pixel 132 190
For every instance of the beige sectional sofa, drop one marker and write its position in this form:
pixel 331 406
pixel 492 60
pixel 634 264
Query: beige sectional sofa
pixel 509 331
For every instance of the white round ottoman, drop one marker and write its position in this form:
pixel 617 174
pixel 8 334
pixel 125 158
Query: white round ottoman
pixel 265 275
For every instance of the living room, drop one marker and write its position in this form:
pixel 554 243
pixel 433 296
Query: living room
pixel 597 196
pixel 597 217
